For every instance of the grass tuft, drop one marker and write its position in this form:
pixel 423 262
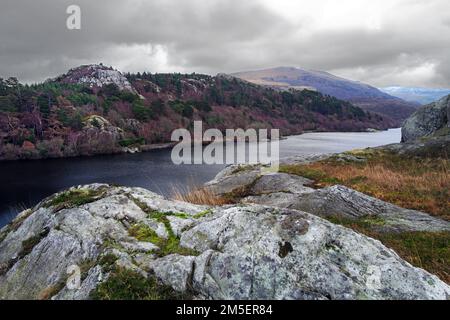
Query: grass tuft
pixel 168 246
pixel 123 284
pixel 143 233
pixel 202 214
pixel 74 198
pixel 202 196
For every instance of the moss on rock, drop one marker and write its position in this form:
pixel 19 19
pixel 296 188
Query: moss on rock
pixel 123 284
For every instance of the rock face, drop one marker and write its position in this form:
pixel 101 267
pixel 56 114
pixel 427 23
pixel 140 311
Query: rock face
pixel 429 120
pixel 98 123
pixel 232 252
pixel 258 252
pixel 96 76
pixel 345 202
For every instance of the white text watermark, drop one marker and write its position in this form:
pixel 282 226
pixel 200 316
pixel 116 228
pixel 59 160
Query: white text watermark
pixel 237 146
pixel 73 21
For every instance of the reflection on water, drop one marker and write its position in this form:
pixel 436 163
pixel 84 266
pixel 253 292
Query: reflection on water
pixel 24 183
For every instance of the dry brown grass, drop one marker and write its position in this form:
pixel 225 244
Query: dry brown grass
pixel 50 291
pixel 426 250
pixel 202 196
pixel 420 184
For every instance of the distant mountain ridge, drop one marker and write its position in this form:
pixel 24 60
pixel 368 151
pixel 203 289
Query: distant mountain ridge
pixel 418 95
pixel 358 93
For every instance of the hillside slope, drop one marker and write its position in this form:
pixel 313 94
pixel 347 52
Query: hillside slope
pixel 97 110
pixel 363 95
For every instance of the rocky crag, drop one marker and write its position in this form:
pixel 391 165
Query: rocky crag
pixel 429 121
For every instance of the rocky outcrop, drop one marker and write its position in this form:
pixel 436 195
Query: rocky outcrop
pixel 432 146
pixel 293 192
pixel 96 76
pixel 428 121
pixel 98 123
pixel 232 252
pixel 345 202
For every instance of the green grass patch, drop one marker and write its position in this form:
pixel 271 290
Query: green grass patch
pixel 181 215
pixel 74 198
pixel 132 142
pixel 364 223
pixel 125 284
pixel 144 233
pixel 202 214
pixel 168 246
pixel 171 245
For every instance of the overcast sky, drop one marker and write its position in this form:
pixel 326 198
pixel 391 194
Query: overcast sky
pixel 380 42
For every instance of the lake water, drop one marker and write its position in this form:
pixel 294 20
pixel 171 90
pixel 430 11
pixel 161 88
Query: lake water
pixel 25 183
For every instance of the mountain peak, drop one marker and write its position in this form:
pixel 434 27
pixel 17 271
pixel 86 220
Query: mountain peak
pixel 96 75
pixel 358 93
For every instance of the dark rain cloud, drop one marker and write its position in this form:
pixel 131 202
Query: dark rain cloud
pixel 222 36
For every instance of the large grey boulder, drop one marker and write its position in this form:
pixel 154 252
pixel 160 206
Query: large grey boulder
pixel 348 203
pixel 238 177
pixel 233 178
pixel 257 252
pixel 231 252
pixel 429 120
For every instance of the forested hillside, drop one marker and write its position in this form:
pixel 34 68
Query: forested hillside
pixel 97 110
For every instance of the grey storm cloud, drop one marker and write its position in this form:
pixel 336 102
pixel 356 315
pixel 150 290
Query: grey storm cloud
pixel 410 45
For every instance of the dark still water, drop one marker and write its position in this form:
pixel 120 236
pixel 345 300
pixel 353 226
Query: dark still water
pixel 24 183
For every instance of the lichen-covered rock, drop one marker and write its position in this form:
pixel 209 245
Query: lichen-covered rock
pixel 96 76
pixel 231 252
pixel 234 177
pixel 345 202
pixel 281 182
pixel 36 252
pixel 263 253
pixel 174 270
pixel 432 119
